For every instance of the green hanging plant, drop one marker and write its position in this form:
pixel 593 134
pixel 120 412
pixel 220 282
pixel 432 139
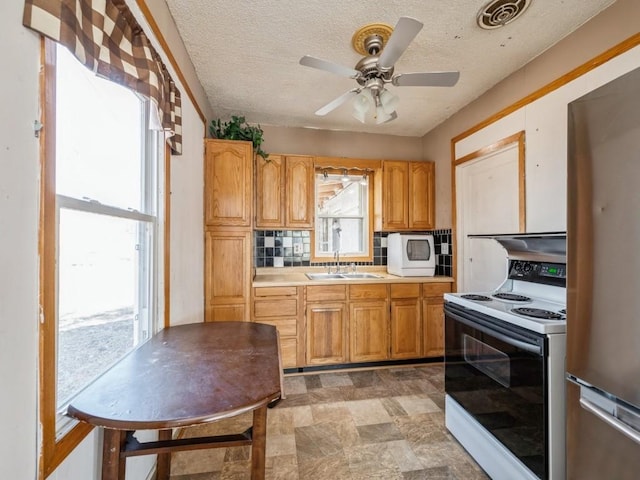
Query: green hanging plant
pixel 238 129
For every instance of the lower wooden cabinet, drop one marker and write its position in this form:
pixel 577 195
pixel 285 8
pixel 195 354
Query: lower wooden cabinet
pixel 406 321
pixel 283 308
pixel 433 318
pixel 327 336
pixel 336 324
pixel 368 323
pixel 326 325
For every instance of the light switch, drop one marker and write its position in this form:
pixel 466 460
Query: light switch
pixel 444 249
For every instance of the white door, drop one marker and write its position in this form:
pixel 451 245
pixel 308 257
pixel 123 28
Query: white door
pixel 487 191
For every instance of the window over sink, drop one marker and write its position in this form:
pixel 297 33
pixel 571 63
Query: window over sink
pixel 342 216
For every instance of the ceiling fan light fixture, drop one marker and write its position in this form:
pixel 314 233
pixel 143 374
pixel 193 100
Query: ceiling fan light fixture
pixel 362 102
pixel 389 101
pixel 381 115
pixel 358 115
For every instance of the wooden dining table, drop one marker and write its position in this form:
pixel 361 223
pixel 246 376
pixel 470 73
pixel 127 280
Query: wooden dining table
pixel 184 376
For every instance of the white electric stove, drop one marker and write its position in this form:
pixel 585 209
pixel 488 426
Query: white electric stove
pixel 522 299
pixel 505 364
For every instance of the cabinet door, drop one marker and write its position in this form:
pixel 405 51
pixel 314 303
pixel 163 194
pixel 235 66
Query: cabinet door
pixel 326 333
pixel 299 203
pixel 421 195
pixel 395 211
pixel 406 328
pixel 228 183
pixel 433 310
pixel 227 275
pixel 270 197
pixel 433 318
pixel 368 331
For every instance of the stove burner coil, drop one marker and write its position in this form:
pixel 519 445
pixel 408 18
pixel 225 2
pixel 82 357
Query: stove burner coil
pixel 511 297
pixel 538 313
pixel 477 298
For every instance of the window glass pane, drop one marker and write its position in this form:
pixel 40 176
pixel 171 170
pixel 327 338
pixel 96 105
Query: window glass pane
pixel 98 137
pixel 341 216
pixel 98 282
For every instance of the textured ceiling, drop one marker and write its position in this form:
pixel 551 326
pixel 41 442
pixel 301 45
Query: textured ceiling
pixel 246 54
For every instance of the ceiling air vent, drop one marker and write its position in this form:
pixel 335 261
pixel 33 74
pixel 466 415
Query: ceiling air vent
pixel 498 13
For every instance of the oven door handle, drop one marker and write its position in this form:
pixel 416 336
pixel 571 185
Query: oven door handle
pixel 495 334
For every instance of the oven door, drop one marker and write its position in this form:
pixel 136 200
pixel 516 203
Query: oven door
pixel 496 372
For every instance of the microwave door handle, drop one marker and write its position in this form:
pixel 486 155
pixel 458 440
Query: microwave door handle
pixel 610 420
pixel 500 336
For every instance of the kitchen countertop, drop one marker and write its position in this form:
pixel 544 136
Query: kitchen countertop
pixel 296 276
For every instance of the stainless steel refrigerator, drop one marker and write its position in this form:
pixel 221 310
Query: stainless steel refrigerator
pixel 603 283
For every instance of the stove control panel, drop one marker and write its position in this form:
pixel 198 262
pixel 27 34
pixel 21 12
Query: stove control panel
pixel 538 272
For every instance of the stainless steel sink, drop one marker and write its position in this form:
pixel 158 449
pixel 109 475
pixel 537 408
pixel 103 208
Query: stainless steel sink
pixel 360 275
pixel 340 276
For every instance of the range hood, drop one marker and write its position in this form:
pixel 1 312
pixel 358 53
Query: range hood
pixel 541 247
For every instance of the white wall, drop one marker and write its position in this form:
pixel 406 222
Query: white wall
pixel 19 186
pixel 19 197
pixel 545 124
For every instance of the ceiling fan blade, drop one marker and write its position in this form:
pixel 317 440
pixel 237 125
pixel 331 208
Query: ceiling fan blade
pixel 403 34
pixel 426 79
pixel 320 64
pixel 337 102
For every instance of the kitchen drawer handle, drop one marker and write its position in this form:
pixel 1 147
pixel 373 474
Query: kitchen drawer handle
pixel 610 420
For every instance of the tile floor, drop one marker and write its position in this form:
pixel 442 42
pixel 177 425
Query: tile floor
pixel 385 424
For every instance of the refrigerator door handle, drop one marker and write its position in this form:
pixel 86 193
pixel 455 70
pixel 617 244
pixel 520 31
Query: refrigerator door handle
pixel 610 420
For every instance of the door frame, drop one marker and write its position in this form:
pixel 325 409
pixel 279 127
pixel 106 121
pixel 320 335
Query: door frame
pixel 517 138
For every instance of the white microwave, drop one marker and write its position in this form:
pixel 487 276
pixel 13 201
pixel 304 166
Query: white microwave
pixel 411 255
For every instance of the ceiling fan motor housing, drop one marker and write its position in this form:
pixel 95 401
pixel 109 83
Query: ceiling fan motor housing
pixel 368 67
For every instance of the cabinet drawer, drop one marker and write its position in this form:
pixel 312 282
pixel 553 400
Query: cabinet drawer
pixel 287 327
pixel 275 308
pixel 274 291
pixel 366 292
pixel 435 289
pixel 329 292
pixel 405 290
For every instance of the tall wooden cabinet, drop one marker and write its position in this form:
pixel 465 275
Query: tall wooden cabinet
pixel 285 192
pixel 228 199
pixel 408 195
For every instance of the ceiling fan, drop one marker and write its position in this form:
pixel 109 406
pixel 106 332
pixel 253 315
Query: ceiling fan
pixel 381 46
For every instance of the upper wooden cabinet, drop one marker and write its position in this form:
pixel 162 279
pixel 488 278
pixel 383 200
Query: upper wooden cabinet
pixel 285 192
pixel 228 175
pixel 270 196
pixel 408 193
pixel 422 196
pixel 299 192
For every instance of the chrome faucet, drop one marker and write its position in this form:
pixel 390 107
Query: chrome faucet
pixel 336 257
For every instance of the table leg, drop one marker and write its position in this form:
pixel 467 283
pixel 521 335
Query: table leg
pixel 163 465
pixel 258 443
pixel 113 467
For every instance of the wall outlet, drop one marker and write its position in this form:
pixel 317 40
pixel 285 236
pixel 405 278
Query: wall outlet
pixel 297 248
pixel 444 249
